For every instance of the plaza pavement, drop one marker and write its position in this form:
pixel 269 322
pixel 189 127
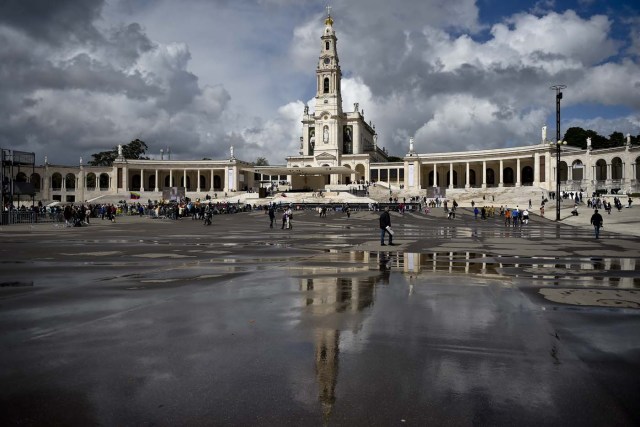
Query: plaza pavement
pixel 464 322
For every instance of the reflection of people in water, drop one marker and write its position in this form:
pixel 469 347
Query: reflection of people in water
pixel 384 263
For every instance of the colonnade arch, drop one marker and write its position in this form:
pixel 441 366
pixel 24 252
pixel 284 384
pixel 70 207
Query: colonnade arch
pixel 507 177
pixel 527 175
pixel 56 180
pixel 36 181
pixel 577 170
pixel 70 181
pixel 616 168
pixel 491 177
pixel 601 170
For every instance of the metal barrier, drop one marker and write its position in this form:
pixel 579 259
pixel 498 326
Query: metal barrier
pixel 30 217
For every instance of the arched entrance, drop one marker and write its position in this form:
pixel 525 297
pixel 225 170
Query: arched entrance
pixel 527 175
pixel 601 170
pixel 507 176
pixel 577 171
pixel 491 177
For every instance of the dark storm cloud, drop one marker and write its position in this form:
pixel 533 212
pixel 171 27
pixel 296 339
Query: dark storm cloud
pixel 126 43
pixel 54 22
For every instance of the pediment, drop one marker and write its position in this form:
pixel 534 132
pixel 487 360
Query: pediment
pixel 325 156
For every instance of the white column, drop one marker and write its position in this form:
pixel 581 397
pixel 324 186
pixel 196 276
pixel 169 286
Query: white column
pixel 450 175
pixel 170 177
pixel 435 180
pixel 518 183
pixel 198 182
pixel 184 179
pixel 467 185
pixel 141 179
pixel 536 169
pixel 157 189
pixel 569 172
pixel 501 182
pixel 125 178
pixel 608 171
pixel 547 170
pixel 484 174
pixel 211 190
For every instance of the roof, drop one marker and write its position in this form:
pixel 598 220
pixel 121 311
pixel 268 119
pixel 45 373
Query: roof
pixel 308 170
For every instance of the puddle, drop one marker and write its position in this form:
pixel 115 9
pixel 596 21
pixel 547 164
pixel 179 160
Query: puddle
pixel 15 284
pixel 616 298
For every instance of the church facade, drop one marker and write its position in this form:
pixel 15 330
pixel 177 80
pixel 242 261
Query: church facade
pixel 336 150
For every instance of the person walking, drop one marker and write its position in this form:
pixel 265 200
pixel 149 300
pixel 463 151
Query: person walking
pixel 288 215
pixel 385 226
pixel 272 215
pixel 596 220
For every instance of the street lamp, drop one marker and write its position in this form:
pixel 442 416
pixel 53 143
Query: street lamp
pixel 558 89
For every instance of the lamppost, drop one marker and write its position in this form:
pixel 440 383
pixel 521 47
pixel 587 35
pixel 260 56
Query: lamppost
pixel 558 89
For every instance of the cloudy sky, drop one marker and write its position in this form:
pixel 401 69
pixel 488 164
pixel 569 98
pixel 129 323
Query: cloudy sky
pixel 197 76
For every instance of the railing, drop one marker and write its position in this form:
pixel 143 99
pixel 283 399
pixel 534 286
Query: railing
pixel 30 217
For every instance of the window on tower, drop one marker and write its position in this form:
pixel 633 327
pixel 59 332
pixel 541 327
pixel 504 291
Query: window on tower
pixel 327 45
pixel 326 85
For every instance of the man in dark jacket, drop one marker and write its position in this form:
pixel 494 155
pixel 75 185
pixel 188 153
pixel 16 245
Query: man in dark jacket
pixel 596 220
pixel 272 215
pixel 385 221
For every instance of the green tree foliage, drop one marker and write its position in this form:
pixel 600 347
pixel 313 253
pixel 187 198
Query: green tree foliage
pixel 616 139
pixel 261 161
pixel 133 150
pixel 104 158
pixel 136 149
pixel 577 137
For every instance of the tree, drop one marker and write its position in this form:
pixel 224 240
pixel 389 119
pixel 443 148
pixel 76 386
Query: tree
pixel 133 150
pixel 616 139
pixel 261 161
pixel 104 158
pixel 577 137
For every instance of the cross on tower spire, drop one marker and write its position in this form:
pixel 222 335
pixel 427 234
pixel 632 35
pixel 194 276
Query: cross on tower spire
pixel 328 11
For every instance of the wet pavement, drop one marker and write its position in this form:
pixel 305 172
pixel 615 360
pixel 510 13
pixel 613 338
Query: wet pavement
pixel 465 322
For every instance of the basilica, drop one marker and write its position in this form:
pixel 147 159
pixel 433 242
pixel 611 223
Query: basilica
pixel 337 149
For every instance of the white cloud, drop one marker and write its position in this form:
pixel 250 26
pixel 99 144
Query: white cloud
pixel 429 69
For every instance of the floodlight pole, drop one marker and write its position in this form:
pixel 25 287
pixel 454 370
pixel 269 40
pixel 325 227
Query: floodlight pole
pixel 558 89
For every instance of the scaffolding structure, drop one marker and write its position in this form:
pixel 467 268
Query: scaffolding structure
pixel 16 170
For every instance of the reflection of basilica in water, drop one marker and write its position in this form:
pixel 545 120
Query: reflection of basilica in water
pixel 616 272
pixel 337 298
pixel 339 292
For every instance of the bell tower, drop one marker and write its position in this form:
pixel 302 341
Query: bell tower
pixel 328 109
